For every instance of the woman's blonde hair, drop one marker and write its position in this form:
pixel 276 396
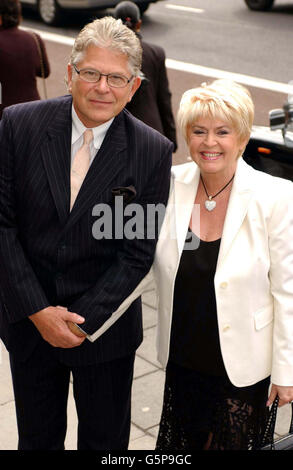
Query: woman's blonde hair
pixel 222 99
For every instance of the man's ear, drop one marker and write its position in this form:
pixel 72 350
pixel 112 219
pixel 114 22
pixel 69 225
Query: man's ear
pixel 69 77
pixel 135 86
pixel 1 21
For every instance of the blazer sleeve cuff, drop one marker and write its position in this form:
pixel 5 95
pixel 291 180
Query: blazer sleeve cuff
pixel 282 375
pixel 145 285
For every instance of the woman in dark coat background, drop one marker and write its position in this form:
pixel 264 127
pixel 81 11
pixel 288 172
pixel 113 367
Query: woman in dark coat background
pixel 20 61
pixel 152 101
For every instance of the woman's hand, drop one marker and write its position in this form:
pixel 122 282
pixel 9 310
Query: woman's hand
pixel 285 395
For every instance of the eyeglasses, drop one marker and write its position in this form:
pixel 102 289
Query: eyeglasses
pixel 93 76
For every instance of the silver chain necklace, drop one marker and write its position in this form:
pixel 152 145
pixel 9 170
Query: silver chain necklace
pixel 209 203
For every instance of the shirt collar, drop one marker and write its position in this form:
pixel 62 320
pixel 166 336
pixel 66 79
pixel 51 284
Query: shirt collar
pixel 78 129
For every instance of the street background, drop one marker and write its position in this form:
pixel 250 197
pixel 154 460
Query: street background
pixel 220 36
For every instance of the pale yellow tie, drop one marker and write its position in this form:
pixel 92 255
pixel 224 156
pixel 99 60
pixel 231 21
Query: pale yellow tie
pixel 80 166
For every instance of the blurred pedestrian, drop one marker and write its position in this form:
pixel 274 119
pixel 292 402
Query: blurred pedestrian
pixel 23 57
pixel 152 102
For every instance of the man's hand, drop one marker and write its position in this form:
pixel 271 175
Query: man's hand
pixel 52 323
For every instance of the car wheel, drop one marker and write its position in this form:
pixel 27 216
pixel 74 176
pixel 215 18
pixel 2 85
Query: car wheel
pixel 49 11
pixel 143 7
pixel 260 5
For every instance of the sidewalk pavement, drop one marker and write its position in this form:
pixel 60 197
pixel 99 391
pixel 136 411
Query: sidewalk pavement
pixel 147 395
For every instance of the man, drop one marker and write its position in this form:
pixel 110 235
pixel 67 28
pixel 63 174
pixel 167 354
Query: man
pixel 60 282
pixel 154 89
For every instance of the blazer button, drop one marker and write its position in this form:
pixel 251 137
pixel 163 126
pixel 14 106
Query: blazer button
pixel 224 285
pixel 226 328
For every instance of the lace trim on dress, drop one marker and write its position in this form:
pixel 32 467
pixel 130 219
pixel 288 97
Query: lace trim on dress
pixel 205 412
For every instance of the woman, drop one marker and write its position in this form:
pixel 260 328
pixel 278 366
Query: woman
pixel 224 272
pixel 232 324
pixel 20 59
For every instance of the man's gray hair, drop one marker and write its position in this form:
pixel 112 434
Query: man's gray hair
pixel 109 33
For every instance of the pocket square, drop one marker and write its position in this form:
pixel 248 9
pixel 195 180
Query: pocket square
pixel 127 192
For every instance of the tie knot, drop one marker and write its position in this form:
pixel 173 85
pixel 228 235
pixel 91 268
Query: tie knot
pixel 88 136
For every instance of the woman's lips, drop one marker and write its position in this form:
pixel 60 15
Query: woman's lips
pixel 210 156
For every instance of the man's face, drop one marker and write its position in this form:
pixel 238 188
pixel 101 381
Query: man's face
pixel 96 103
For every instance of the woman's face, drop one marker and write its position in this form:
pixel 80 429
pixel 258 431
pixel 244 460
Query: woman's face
pixel 214 145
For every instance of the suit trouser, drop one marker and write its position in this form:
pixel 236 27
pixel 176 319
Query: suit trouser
pixel 102 394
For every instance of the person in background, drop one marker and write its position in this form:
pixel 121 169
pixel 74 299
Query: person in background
pixel 20 60
pixel 152 102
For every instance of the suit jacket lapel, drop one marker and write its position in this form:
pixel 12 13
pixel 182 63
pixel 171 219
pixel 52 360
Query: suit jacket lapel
pixel 108 162
pixel 185 187
pixel 56 155
pixel 237 208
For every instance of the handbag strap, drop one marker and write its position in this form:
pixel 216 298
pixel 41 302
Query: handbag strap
pixel 41 62
pixel 268 436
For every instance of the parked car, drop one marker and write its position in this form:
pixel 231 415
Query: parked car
pixel 51 11
pixel 260 5
pixel 270 149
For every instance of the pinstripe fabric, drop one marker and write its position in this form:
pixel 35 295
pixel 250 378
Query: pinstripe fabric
pixel 48 255
pixel 102 393
pixel 41 387
pixel 109 403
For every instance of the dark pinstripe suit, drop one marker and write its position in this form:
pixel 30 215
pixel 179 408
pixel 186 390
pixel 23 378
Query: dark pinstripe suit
pixel 48 256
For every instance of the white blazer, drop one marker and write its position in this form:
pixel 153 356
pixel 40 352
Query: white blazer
pixel 253 279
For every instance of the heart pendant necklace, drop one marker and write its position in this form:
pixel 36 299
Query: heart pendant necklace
pixel 209 203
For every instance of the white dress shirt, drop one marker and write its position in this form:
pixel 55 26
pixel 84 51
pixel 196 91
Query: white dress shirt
pixel 78 129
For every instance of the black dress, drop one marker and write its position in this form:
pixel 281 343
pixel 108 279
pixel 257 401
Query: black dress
pixel 202 408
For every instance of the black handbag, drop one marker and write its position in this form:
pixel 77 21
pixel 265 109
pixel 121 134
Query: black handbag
pixel 283 443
